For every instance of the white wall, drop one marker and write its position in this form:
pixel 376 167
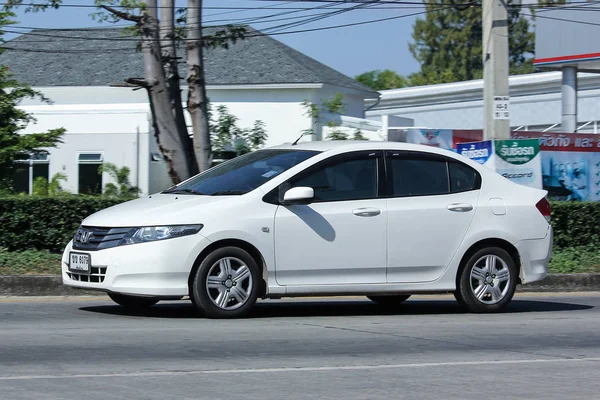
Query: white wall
pixel 535 103
pixel 111 129
pixel 108 119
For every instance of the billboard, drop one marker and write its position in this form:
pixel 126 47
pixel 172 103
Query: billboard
pixel 570 162
pixel 441 138
pixel 517 160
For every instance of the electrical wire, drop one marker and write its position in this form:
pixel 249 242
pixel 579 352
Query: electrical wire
pixel 251 35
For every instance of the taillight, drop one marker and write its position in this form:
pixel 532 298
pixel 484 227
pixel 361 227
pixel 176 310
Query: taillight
pixel 544 207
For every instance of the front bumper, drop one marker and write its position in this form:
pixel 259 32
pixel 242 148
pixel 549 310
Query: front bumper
pixel 160 268
pixel 535 257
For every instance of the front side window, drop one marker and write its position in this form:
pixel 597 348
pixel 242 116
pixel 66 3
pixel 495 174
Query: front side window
pixel 349 179
pixel 243 174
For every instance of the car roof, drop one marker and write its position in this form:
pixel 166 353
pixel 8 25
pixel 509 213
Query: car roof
pixel 350 145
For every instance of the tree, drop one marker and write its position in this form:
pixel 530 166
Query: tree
pixel 158 42
pixel 13 120
pixel 41 186
pixel 122 187
pixel 382 80
pixel 328 112
pixel 448 43
pixel 228 136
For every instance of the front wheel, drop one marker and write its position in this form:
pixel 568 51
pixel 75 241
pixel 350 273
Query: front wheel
pixel 226 284
pixel 132 302
pixel 487 281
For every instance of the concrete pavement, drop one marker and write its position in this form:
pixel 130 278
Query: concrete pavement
pixel 545 346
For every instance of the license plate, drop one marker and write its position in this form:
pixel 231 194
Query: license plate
pixel 79 262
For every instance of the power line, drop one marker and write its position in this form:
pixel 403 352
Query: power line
pixel 251 35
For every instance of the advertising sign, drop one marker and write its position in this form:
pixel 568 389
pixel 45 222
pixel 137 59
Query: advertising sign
pixel 517 160
pixel 570 165
pixel 441 138
pixel 570 162
pixel 476 151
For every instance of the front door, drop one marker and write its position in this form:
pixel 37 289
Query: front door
pixel 341 237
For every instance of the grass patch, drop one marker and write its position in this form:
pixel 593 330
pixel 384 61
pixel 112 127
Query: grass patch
pixel 575 260
pixel 29 262
pixel 35 262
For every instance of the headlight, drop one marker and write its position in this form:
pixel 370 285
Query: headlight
pixel 154 233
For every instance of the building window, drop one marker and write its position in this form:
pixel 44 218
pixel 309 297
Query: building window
pixel 29 167
pixel 90 178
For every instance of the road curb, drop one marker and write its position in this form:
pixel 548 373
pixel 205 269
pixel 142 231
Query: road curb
pixel 38 285
pixel 51 285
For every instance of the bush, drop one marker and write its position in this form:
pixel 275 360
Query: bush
pixel 576 224
pixel 45 223
pixel 49 223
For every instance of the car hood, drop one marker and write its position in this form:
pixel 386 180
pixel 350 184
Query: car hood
pixel 160 209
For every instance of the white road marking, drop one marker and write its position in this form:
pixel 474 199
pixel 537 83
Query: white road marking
pixel 300 369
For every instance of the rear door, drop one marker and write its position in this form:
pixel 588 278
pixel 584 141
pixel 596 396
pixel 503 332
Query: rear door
pixel 431 203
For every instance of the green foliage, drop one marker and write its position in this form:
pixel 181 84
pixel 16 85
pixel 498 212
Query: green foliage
pixel 333 106
pixel 13 120
pixel 122 187
pixel 576 224
pixel 358 135
pixel 226 135
pixel 382 80
pixel 45 223
pixel 29 262
pixel 448 43
pixel 41 186
pixel 35 227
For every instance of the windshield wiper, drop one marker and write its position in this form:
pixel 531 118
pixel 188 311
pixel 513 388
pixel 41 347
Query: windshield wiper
pixel 228 193
pixel 182 191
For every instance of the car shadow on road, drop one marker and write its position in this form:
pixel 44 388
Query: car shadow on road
pixel 335 308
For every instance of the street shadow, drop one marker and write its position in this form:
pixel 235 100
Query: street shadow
pixel 334 308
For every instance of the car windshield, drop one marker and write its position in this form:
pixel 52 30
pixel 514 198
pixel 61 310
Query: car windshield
pixel 242 174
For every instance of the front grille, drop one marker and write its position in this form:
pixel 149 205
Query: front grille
pixel 96 275
pixel 94 238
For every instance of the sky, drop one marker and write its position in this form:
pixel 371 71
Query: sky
pixel 350 50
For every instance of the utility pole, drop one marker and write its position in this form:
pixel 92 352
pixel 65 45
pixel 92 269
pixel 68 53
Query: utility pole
pixel 495 70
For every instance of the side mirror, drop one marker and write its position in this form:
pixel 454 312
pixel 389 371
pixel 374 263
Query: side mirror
pixel 299 195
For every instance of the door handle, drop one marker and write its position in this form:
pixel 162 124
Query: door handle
pixel 366 212
pixel 460 207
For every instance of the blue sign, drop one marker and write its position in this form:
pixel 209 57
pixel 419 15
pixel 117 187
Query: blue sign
pixel 479 151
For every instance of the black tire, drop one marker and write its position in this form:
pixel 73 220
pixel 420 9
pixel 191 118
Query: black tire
pixel 132 302
pixel 202 297
pixel 503 290
pixel 389 301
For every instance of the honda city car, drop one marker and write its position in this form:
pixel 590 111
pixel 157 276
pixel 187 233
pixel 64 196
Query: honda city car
pixel 384 220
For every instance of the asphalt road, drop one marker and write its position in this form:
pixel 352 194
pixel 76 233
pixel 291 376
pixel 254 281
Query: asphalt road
pixel 544 347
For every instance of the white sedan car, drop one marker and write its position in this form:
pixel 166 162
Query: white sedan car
pixel 381 219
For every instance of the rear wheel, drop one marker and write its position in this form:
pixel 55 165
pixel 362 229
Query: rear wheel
pixel 132 302
pixel 226 284
pixel 389 301
pixel 487 281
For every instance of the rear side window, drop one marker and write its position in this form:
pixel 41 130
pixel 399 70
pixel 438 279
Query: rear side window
pixel 419 177
pixel 462 177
